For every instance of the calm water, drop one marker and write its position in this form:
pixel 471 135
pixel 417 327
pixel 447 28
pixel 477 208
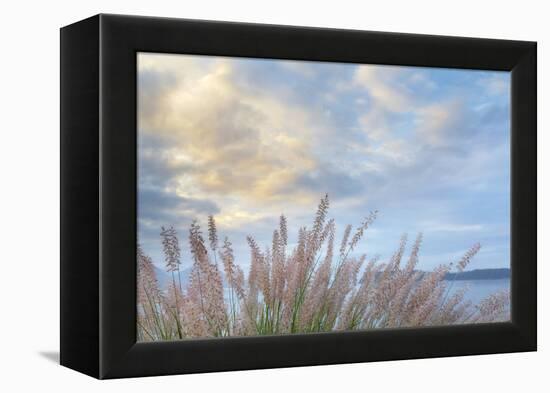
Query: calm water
pixel 477 290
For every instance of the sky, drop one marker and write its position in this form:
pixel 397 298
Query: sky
pixel 247 140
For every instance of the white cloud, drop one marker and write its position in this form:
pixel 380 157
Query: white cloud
pixel 434 121
pixel 446 227
pixel 382 83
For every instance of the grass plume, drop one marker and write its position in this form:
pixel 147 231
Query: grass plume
pixel 310 288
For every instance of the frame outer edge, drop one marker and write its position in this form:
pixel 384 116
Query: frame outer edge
pixel 79 289
pixel 524 196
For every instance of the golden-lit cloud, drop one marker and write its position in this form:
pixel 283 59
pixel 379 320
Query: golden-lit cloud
pixel 234 141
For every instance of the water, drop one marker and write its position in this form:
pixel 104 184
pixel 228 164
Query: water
pixel 478 290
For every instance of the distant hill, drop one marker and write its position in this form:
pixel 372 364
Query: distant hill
pixel 480 274
pixel 164 278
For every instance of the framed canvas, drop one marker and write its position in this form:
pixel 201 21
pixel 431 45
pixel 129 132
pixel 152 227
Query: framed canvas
pixel 240 196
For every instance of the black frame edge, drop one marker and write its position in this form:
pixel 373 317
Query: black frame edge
pixel 524 196
pixel 79 129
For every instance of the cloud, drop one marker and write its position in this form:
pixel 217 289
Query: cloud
pixel 382 83
pixel 418 129
pixel 213 121
pixel 398 105
pixel 326 178
pixel 496 84
pixel 436 122
pixel 445 227
pixel 167 208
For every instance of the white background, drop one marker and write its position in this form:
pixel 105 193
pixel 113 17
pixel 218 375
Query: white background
pixel 29 197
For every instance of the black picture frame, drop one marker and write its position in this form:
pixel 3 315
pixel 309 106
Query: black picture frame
pixel 98 195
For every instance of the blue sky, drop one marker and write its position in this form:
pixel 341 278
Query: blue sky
pixel 249 139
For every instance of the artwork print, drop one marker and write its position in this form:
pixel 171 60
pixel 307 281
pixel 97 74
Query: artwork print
pixel 279 197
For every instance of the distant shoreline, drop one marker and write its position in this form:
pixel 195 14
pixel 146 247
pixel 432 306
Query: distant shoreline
pixel 480 274
pixel 470 275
